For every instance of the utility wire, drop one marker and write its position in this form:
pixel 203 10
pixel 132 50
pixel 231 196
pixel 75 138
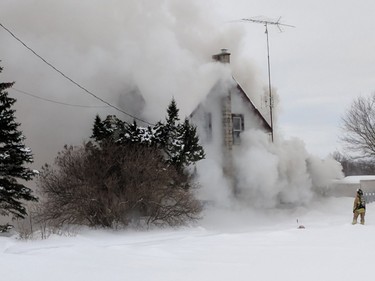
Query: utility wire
pixel 68 78
pixel 57 102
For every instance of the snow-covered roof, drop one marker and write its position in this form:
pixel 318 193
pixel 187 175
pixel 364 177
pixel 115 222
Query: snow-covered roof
pixel 355 179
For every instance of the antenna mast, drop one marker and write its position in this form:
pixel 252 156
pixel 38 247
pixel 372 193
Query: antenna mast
pixel 266 23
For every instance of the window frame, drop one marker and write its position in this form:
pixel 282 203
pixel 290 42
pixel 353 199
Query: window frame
pixel 236 132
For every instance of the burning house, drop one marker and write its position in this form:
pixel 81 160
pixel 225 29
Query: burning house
pixel 225 114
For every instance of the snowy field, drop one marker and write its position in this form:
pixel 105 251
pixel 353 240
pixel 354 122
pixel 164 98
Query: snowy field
pixel 225 245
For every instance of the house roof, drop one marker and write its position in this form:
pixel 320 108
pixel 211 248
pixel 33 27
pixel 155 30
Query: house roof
pixel 355 179
pixel 245 97
pixel 250 104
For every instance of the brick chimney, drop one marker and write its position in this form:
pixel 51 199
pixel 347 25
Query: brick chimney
pixel 226 105
pixel 227 125
pixel 223 57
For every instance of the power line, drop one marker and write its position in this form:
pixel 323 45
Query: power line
pixel 71 80
pixel 57 102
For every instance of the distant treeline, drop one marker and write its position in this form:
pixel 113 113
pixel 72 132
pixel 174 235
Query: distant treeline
pixel 355 167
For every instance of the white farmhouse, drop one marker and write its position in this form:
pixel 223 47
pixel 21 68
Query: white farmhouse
pixel 225 114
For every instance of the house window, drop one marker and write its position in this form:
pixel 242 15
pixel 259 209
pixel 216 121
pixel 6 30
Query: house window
pixel 238 127
pixel 208 125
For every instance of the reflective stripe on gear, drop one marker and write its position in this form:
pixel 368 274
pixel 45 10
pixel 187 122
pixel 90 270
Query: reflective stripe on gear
pixel 360 211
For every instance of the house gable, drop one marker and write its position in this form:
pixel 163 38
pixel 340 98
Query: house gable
pixel 227 111
pixel 211 109
pixel 263 122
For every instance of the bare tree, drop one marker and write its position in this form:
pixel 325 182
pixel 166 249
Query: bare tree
pixel 359 126
pixel 114 185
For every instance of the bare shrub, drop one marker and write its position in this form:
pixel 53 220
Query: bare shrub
pixel 114 185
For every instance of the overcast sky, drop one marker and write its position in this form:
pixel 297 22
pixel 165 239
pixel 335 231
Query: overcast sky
pixel 144 52
pixel 319 67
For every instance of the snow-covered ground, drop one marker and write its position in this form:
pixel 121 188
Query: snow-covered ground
pixel 225 245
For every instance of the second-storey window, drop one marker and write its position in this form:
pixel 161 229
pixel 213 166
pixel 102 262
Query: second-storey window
pixel 208 125
pixel 238 127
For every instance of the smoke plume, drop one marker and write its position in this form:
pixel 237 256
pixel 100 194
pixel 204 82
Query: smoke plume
pixel 137 55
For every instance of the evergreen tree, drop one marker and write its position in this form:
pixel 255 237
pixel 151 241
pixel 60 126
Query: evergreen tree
pixel 136 134
pixel 14 155
pixel 179 141
pixel 172 111
pixel 131 133
pixel 99 132
pixel 166 133
pixel 121 132
pixel 191 151
pixel 159 134
pixel 110 128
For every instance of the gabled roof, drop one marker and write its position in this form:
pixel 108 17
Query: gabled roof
pixel 249 103
pixel 244 96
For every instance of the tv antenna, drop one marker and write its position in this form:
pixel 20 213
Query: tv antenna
pixel 279 25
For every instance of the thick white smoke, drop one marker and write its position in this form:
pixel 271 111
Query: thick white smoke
pixel 269 176
pixel 135 54
pixel 138 54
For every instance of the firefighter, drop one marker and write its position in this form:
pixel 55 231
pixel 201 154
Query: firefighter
pixel 359 207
